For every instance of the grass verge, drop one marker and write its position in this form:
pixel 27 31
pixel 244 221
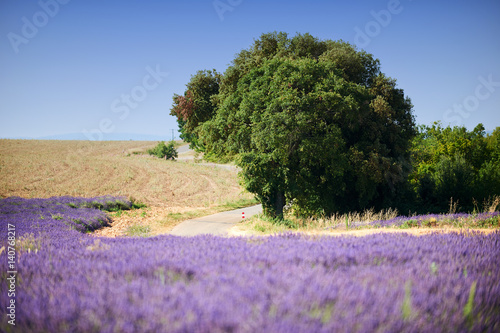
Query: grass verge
pixel 138 231
pixel 389 219
pixel 152 221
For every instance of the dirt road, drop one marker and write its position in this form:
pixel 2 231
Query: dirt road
pixel 216 224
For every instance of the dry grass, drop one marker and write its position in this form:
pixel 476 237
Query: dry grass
pixel 491 204
pixel 35 168
pixel 261 224
pixel 244 230
pixel 352 218
pixel 46 168
pixel 358 224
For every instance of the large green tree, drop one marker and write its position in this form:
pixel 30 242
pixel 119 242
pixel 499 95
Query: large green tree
pixel 311 122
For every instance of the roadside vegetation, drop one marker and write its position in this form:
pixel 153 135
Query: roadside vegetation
pixel 386 220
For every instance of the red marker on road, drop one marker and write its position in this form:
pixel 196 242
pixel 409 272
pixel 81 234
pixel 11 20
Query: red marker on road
pixel 242 215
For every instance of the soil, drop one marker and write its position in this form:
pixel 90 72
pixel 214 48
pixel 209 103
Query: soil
pixel 153 217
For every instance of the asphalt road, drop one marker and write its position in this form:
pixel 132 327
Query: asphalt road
pixel 216 224
pixel 183 149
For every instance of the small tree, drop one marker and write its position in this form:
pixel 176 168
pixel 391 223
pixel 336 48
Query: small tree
pixel 164 151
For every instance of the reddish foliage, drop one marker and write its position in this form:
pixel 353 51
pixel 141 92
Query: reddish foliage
pixel 185 106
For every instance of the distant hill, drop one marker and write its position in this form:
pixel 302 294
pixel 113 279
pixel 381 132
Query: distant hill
pixel 110 137
pixel 115 137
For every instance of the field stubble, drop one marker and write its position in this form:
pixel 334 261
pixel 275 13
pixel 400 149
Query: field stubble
pixel 46 168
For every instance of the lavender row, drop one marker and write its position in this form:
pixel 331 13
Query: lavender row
pixel 73 282
pixel 478 220
pixel 54 215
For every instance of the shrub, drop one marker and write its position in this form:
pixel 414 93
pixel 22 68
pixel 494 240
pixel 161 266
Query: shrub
pixel 163 150
pixel 453 179
pixel 454 163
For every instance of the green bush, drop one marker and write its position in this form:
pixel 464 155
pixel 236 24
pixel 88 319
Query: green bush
pixel 163 150
pixel 454 164
pixel 453 179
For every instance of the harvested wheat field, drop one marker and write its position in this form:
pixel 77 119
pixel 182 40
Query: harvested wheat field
pixel 46 168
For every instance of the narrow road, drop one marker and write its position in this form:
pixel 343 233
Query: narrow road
pixel 183 149
pixel 216 224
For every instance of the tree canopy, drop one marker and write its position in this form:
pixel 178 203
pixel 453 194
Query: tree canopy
pixel 195 106
pixel 311 122
pixel 454 163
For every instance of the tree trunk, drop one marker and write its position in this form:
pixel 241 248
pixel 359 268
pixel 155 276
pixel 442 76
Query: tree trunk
pixel 279 204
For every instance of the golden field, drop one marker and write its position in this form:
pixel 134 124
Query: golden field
pixel 46 168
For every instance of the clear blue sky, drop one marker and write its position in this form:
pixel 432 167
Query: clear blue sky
pixel 68 66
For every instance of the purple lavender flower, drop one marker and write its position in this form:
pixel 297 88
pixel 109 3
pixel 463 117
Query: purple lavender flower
pixel 283 283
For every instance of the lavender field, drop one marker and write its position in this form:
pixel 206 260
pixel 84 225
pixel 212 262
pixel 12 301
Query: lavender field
pixel 459 220
pixel 70 281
